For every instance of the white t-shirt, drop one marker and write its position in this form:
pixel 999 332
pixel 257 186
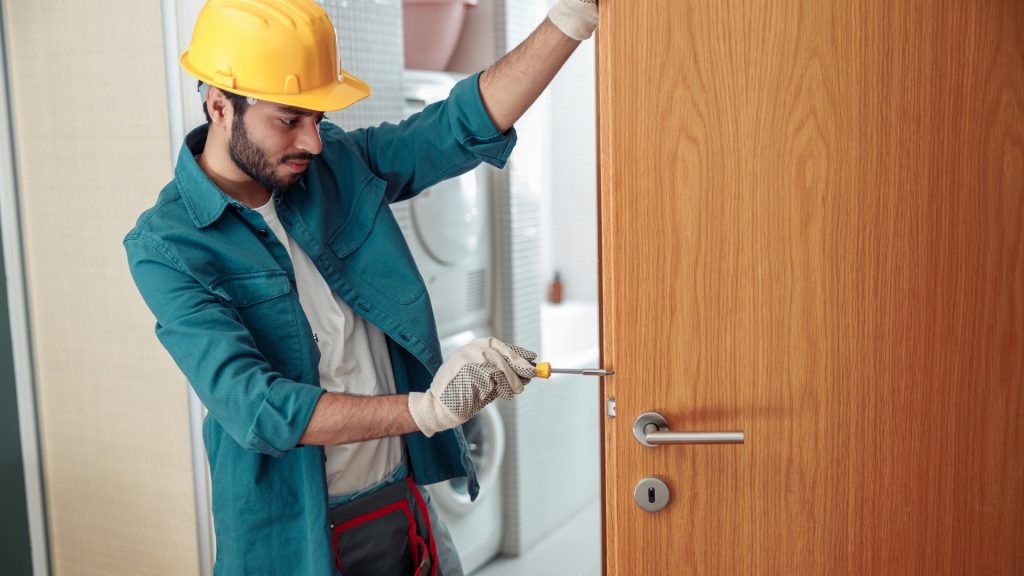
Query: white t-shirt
pixel 354 359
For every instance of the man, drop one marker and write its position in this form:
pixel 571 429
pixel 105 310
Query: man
pixel 284 290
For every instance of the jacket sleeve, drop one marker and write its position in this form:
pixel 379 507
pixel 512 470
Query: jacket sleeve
pixel 444 140
pixel 259 408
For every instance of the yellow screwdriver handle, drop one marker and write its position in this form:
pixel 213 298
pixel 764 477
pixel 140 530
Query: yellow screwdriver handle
pixel 543 369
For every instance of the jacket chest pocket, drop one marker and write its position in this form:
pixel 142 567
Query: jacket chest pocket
pixel 373 250
pixel 264 303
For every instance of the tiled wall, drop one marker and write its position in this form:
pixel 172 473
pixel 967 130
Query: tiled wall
pixel 553 455
pixel 518 285
pixel 370 44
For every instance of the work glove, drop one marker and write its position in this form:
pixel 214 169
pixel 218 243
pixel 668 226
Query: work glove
pixel 576 19
pixel 470 379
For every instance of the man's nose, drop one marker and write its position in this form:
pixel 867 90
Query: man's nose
pixel 309 137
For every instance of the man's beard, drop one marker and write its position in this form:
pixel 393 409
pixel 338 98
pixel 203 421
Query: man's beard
pixel 252 160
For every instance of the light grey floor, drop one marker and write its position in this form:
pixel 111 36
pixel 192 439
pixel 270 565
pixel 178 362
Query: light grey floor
pixel 574 550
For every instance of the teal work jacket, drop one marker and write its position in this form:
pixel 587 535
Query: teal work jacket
pixel 222 289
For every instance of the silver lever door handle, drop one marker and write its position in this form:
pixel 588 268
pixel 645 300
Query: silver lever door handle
pixel 651 429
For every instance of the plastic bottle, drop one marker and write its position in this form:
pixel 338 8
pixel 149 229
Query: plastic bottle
pixel 555 295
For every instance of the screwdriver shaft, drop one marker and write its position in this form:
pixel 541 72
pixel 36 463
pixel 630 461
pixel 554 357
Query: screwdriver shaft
pixel 544 370
pixel 584 371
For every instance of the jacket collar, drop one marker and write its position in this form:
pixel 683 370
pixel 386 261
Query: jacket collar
pixel 204 201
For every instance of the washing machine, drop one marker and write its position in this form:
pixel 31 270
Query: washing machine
pixel 449 228
pixel 476 526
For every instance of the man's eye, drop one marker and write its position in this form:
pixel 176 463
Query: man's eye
pixel 289 121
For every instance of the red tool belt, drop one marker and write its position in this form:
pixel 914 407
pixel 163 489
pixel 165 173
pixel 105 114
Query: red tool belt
pixel 386 533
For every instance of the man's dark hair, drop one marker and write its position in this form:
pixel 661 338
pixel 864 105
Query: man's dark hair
pixel 238 103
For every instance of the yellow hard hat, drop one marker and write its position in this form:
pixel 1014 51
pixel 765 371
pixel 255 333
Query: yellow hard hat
pixel 282 51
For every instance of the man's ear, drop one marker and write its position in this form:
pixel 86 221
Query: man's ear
pixel 218 106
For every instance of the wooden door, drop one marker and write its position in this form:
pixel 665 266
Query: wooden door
pixel 812 230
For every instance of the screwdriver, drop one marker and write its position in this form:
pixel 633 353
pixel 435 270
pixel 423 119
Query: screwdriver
pixel 544 370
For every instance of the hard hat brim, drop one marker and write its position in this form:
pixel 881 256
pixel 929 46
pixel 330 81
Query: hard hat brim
pixel 335 96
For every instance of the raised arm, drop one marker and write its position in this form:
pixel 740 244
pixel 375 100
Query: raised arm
pixel 515 81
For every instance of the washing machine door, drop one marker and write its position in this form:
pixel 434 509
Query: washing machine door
pixel 485 435
pixel 448 220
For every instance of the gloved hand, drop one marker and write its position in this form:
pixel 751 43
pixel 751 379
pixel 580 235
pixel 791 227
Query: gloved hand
pixel 577 19
pixel 475 375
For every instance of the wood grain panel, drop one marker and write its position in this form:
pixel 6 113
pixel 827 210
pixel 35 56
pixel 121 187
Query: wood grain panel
pixel 811 223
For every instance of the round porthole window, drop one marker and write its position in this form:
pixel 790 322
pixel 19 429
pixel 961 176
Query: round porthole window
pixel 447 218
pixel 485 435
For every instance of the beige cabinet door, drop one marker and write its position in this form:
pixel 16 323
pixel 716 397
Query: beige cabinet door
pixel 812 231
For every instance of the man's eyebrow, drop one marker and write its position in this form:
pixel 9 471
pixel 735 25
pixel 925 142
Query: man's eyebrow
pixel 298 111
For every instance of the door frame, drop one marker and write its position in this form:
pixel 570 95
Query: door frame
pixel 21 348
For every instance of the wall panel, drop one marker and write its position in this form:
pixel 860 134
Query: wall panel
pixel 89 107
